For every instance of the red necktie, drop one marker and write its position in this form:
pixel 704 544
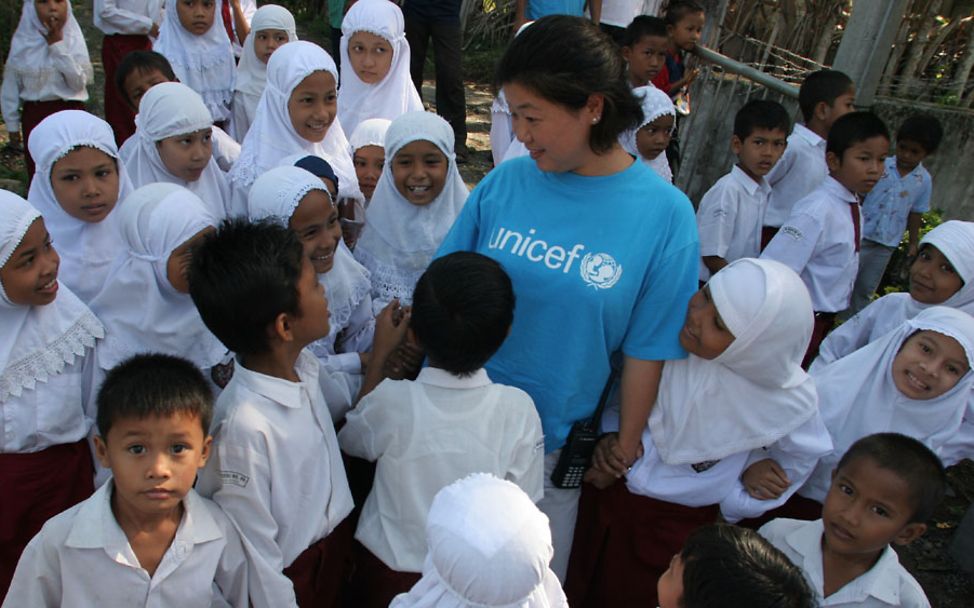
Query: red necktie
pixel 854 208
pixel 227 19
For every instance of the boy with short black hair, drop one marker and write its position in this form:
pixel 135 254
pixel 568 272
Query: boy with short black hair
pixel 644 48
pixel 726 566
pixel 450 422
pixel 731 213
pixel 820 239
pixel 276 469
pixel 897 203
pixel 146 530
pixel 884 489
pixel 824 97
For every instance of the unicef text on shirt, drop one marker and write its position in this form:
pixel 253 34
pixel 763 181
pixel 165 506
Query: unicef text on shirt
pixel 598 270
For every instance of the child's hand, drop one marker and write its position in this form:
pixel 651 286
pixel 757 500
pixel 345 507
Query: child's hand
pixel 598 479
pixel 55 30
pixel 154 31
pixel 390 330
pixel 691 76
pixel 13 140
pixel 765 480
pixel 609 457
pixel 405 362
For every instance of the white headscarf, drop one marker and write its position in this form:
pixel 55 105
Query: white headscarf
pixel 954 239
pixel 87 249
pixel 252 72
pixel 272 136
pixel 857 396
pixel 30 55
pixel 141 309
pixel 395 94
pixel 37 342
pixel 753 393
pixel 371 132
pixel 489 546
pixel 399 238
pixel 277 194
pixel 204 63
pixel 169 109
pixel 655 103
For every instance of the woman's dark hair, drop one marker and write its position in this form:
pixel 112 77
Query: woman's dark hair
pixel 567 59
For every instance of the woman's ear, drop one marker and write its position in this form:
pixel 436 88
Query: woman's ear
pixel 594 107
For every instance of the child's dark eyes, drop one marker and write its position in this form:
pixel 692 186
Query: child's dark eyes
pixel 880 511
pixel 179 448
pixel 136 449
pixel 845 489
pixel 948 269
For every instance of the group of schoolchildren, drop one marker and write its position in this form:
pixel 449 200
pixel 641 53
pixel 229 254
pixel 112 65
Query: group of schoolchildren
pixel 204 339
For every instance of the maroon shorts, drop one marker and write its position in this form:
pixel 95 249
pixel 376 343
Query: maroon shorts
pixel 320 573
pixel 824 322
pixel 114 48
pixel 374 584
pixel 36 487
pixel 31 116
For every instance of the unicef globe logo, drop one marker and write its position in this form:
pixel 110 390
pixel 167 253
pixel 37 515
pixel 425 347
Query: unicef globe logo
pixel 600 270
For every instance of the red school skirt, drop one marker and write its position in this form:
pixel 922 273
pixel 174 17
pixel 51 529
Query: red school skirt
pixel 32 114
pixel 319 574
pixel 114 48
pixel 374 584
pixel 36 487
pixel 623 545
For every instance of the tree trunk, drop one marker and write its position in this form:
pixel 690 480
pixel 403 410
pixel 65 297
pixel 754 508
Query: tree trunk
pixel 964 69
pixel 909 74
pixel 899 46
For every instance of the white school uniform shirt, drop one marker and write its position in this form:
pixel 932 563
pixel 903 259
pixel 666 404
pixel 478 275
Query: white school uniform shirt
pixel 427 434
pixel 730 217
pixel 38 71
pixel 275 468
pixel 620 13
pixel 799 171
pixel 886 584
pixel 82 557
pixel 126 16
pixel 818 242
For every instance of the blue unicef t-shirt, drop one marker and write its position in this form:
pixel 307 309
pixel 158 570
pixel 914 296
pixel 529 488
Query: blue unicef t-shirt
pixel 599 264
pixel 542 8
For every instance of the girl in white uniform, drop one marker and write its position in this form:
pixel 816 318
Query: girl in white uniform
pixel 649 140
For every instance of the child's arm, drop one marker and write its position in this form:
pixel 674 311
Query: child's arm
pixel 527 456
pixel 848 337
pixel 687 80
pixel 794 245
pixel 76 75
pixel 913 222
pixel 390 331
pixel 369 427
pixel 595 10
pixel 715 224
pixel 10 106
pixel 714 263
pixel 241 26
pixel 520 14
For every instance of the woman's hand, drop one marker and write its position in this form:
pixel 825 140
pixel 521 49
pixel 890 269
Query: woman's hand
pixel 765 480
pixel 609 457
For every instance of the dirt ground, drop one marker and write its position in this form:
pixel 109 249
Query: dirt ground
pixel 927 559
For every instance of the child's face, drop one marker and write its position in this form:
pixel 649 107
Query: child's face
pixel 177 266
pixel 52 13
pixel 760 150
pixel 704 333
pixel 196 16
pixel 369 161
pixel 138 82
pixel 653 138
pixel 85 183
pixel 928 365
pixel 842 105
pixel 187 156
pixel 268 41
pixel 312 322
pixel 313 105
pixel 154 461
pixel 933 279
pixel 861 164
pixel 669 587
pixel 867 507
pixel 646 58
pixel 909 154
pixel 29 277
pixel 686 32
pixel 315 221
pixel 419 171
pixel 370 56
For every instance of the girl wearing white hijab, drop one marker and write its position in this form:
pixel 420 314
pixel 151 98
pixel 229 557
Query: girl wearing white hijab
pixel 47 69
pixel 367 146
pixel 202 61
pixel 400 237
pixel 283 193
pixel 45 345
pixel 173 112
pixel 489 546
pixel 145 304
pixel 946 254
pixel 272 20
pixel 87 246
pixel 657 106
pixel 888 386
pixel 375 85
pixel 275 134
pixel 735 426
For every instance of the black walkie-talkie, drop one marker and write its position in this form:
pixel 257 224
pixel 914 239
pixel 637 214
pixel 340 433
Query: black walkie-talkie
pixel 576 455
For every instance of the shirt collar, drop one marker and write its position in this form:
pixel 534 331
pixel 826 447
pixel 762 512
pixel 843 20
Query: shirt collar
pixel 748 182
pixel 837 190
pixel 809 136
pixel 434 376
pixel 891 167
pixel 279 390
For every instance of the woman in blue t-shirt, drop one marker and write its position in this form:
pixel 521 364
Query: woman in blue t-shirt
pixel 602 252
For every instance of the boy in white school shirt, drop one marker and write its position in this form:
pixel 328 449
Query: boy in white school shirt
pixel 275 468
pixel 883 491
pixel 145 537
pixel 731 213
pixel 824 97
pixel 450 422
pixel 820 239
